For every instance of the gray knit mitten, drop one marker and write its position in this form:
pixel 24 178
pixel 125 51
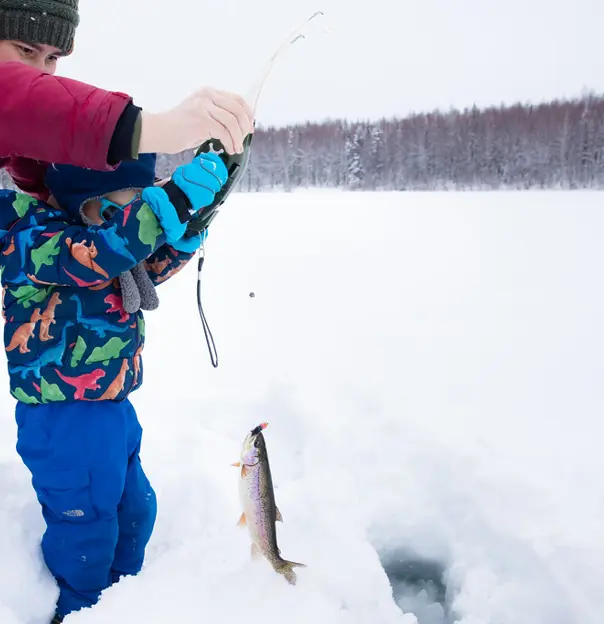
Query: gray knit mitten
pixel 131 298
pixel 138 291
pixel 146 288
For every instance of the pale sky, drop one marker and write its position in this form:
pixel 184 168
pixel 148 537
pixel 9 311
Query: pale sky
pixel 378 58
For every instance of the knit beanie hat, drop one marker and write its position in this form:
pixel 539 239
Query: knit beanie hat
pixel 50 22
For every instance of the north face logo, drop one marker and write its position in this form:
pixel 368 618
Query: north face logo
pixel 74 513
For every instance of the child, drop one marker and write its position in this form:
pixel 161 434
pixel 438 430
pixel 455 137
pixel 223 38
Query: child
pixel 74 353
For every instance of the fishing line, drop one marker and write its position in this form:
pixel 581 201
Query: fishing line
pixel 236 165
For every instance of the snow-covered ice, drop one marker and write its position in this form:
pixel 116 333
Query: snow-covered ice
pixel 432 369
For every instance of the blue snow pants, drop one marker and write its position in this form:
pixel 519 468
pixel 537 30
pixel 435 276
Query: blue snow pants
pixel 97 503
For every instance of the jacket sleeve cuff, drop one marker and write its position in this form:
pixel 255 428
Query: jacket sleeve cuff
pixel 126 137
pixel 159 202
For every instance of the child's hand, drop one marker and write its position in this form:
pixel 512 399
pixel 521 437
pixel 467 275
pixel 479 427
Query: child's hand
pixel 191 244
pixel 191 188
pixel 199 180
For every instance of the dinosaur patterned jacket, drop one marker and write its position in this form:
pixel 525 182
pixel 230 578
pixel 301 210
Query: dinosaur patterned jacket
pixel 66 333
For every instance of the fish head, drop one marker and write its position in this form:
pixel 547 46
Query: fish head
pixel 254 448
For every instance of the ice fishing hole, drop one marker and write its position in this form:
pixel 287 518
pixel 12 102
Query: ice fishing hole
pixel 419 586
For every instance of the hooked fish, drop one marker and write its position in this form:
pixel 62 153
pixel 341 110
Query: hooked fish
pixel 260 512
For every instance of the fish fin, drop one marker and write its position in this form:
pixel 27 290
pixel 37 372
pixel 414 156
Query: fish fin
pixel 279 517
pixel 236 464
pixel 242 520
pixel 287 569
pixel 244 470
pixel 255 551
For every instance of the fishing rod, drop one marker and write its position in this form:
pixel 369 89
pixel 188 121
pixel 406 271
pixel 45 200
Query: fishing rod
pixel 236 165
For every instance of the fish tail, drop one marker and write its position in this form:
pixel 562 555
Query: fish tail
pixel 287 569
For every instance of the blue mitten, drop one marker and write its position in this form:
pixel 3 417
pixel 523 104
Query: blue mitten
pixel 192 244
pixel 192 188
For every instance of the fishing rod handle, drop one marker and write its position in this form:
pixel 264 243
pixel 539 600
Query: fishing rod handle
pixel 236 165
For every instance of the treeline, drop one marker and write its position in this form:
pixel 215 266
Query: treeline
pixel 557 144
pixel 552 145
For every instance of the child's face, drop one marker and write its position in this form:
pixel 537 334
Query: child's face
pixel 38 55
pixel 92 210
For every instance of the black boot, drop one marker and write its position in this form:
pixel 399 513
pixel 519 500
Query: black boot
pixel 57 619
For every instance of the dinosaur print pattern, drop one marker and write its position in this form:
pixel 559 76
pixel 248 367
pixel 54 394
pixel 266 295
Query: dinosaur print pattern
pixel 25 241
pixel 34 280
pixel 11 247
pixel 23 203
pixel 48 317
pixel 172 272
pixel 49 392
pixel 115 282
pixel 51 355
pixel 86 255
pixel 28 295
pixel 149 229
pixel 98 325
pixel 44 254
pixel 158 266
pixel 110 350
pixel 82 283
pixel 87 381
pixel 67 335
pixel 117 385
pixel 137 363
pixel 24 332
pixel 79 348
pixel 117 305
